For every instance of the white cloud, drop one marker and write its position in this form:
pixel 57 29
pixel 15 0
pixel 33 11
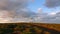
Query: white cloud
pixel 53 17
pixel 52 13
pixel 39 9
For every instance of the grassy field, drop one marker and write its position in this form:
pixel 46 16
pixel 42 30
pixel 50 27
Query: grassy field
pixel 29 28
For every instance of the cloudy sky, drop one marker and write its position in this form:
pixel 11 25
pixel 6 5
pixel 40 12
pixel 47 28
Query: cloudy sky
pixel 47 11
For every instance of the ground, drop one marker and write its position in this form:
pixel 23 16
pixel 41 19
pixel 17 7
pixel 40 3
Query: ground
pixel 29 28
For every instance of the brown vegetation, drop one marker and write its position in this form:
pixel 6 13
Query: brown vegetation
pixel 29 28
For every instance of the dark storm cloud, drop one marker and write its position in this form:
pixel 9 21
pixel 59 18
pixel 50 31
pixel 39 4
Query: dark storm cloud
pixel 52 3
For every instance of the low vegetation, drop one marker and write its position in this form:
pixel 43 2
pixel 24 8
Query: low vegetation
pixel 29 28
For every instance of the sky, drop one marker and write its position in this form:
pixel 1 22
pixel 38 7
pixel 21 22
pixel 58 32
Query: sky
pixel 45 11
pixel 36 4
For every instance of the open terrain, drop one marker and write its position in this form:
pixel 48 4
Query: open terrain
pixel 29 28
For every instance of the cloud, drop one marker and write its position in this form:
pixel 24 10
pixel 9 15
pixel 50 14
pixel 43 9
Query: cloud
pixel 52 3
pixel 16 11
pixel 12 4
pixel 39 10
pixel 53 17
pixel 14 7
pixel 13 10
